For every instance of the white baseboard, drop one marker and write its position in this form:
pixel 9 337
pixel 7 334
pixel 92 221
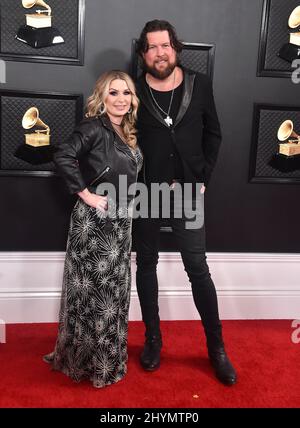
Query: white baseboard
pixel 249 286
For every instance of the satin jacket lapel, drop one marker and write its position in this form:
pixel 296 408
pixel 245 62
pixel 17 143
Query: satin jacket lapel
pixel 187 95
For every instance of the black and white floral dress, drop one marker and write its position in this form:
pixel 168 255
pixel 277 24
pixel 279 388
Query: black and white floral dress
pixel 93 320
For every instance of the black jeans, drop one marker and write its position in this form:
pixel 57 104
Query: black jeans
pixel 191 243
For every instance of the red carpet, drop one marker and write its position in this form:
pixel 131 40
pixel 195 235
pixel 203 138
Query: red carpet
pixel 266 359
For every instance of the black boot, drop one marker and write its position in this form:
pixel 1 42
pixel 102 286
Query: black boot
pixel 224 370
pixel 150 357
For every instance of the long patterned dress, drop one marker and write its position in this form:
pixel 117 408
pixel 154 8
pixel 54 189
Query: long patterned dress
pixel 93 319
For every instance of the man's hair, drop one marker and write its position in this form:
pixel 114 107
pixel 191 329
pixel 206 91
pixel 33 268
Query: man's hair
pixel 157 25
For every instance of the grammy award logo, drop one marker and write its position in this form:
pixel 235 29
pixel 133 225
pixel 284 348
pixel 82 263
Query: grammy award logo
pixel 290 51
pixel 287 159
pixel 286 133
pixel 38 31
pixel 40 137
pixel 36 148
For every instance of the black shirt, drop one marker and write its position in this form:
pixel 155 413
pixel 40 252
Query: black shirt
pixel 164 140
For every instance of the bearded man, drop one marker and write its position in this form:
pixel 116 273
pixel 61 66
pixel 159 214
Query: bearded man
pixel 179 134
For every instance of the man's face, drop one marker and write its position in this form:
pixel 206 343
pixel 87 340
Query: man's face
pixel 160 58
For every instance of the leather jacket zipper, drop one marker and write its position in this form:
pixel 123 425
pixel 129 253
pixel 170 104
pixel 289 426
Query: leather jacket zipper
pixel 105 171
pixel 129 154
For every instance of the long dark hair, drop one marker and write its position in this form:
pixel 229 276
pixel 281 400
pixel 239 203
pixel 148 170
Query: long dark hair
pixel 157 25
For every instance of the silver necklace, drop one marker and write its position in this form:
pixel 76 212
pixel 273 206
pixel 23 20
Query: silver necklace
pixel 168 119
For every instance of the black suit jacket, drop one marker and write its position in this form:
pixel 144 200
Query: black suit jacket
pixel 196 133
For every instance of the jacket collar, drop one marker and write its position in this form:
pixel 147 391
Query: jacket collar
pixel 104 119
pixel 188 82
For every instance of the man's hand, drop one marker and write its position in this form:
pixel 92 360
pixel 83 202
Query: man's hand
pixel 202 190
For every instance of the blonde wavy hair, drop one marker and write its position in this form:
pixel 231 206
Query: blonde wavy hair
pixel 96 103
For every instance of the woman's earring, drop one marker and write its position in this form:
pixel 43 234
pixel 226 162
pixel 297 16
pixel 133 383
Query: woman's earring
pixel 130 110
pixel 101 108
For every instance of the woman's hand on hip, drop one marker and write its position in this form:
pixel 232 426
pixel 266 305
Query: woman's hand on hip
pixel 93 200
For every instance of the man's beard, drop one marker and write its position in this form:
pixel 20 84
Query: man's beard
pixel 160 74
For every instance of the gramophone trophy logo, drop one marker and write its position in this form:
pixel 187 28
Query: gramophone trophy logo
pixel 38 31
pixel 36 149
pixel 40 137
pixel 288 157
pixel 285 132
pixel 290 51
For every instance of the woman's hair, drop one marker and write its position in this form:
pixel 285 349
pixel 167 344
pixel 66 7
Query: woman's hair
pixel 96 102
pixel 153 26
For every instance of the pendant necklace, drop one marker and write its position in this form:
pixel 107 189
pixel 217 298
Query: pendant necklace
pixel 168 119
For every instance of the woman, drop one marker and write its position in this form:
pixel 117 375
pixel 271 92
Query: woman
pixel 92 338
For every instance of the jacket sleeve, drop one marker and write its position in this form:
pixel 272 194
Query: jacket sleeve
pixel 211 133
pixel 67 154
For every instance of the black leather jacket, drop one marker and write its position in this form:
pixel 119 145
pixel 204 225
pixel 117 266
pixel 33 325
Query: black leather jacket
pixel 94 154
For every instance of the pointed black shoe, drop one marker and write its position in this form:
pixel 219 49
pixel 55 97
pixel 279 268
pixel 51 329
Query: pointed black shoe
pixel 224 370
pixel 150 357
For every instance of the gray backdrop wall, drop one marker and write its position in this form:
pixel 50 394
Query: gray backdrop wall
pixel 240 216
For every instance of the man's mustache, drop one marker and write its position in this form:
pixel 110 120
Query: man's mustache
pixel 161 59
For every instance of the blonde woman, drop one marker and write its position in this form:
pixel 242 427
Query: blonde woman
pixel 92 337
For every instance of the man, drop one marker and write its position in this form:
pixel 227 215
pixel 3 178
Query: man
pixel 179 135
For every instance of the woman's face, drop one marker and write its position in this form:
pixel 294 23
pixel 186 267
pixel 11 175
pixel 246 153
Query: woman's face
pixel 118 101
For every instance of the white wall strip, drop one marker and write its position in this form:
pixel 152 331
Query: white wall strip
pixel 249 286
